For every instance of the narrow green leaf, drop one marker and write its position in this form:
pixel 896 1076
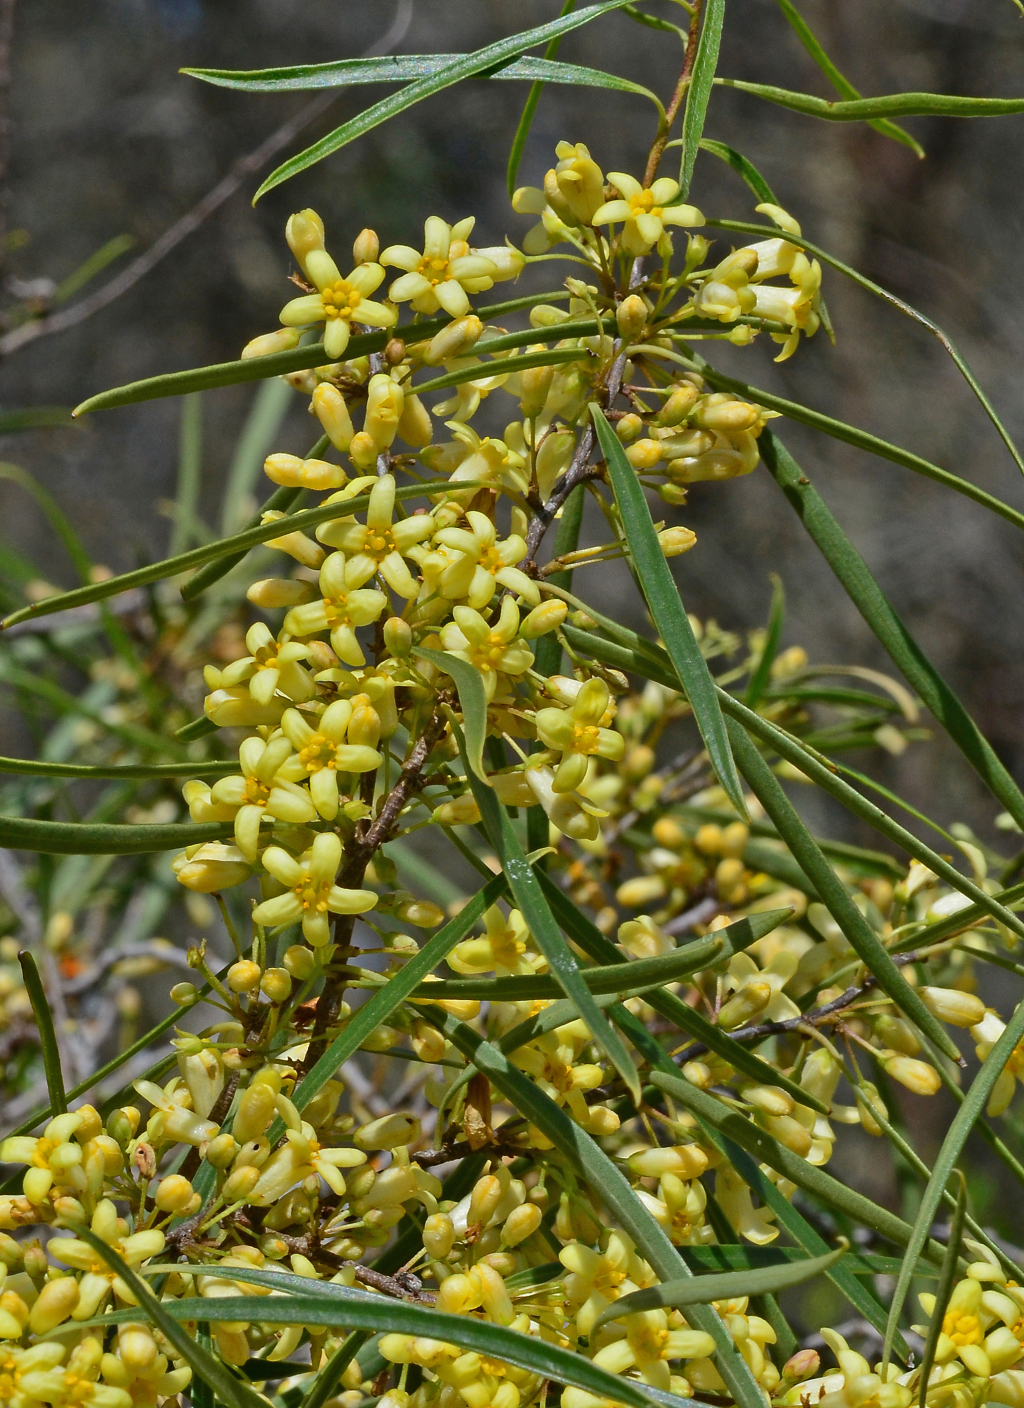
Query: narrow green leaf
pixel 238 543
pixel 702 1290
pixel 865 593
pixel 863 440
pixel 55 516
pixel 943 1291
pixel 892 105
pixel 386 999
pixel 841 84
pixel 47 1035
pixel 591 1164
pixel 509 365
pixel 762 672
pixel 281 363
pixel 408 68
pixel 823 776
pixel 883 293
pixel 834 894
pixel 34 767
pixel 472 700
pixel 739 163
pixel 203 1364
pixel 942 1170
pixel 515 156
pixel 190 468
pixel 699 92
pixel 737 1256
pixel 466 66
pixel 669 614
pixel 529 897
pixel 85 838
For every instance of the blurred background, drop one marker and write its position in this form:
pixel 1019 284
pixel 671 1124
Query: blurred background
pixel 105 148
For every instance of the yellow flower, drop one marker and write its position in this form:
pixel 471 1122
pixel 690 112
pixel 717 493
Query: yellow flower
pixel 483 564
pixel 501 949
pixel 76 1385
pixel 491 649
pixel 445 273
pixel 322 753
pixel 644 212
pixel 98 1281
pixel 302 1155
pixel 341 610
pixel 379 545
pixel 311 893
pixel 270 667
pixel 259 791
pixel 576 735
pixel 338 302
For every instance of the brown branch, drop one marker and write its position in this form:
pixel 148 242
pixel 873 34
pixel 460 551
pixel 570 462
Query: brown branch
pixel 661 140
pixel 245 166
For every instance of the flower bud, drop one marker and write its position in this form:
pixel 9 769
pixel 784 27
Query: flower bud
pixel 384 404
pixel 751 999
pixel 243 976
pixel 521 1223
pixel 56 1301
pixel 275 593
pixel 960 1009
pixel 388 1132
pixel 917 1076
pixel 299 962
pixel 184 994
pixel 363 450
pixel 686 1160
pixel 438 1235
pixel 675 541
pixel 802 1365
pixel 414 424
pixel 174 1193
pixel 535 383
pixel 304 233
pixel 366 247
pixel 698 1074
pixel 294 473
pixel 221 1151
pixel 644 454
pixel 239 1185
pixel 678 406
pixel 331 410
pixel 281 340
pixel 454 340
pixel 255 1111
pixel 542 619
pixel 276 984
pixel 640 891
pixel 398 636
pixel 628 427
pixel 631 316
pixel 895 1032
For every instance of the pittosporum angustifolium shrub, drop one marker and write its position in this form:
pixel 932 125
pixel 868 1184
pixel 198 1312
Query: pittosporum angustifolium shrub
pixel 616 1075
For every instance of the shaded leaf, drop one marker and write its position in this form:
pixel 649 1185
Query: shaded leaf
pixel 762 672
pixel 47 1035
pixel 86 838
pixel 747 170
pixel 698 93
pixel 892 105
pixel 515 155
pixel 472 700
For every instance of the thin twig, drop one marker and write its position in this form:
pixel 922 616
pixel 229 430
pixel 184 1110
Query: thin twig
pixel 244 167
pixel 661 140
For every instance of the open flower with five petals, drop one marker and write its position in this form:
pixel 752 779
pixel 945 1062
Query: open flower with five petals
pixel 483 563
pixel 644 211
pixel 491 649
pixel 271 667
pixel 258 791
pixel 339 302
pixel 99 1280
pixel 310 892
pixel 299 1156
pixel 341 610
pixel 446 271
pixel 321 753
pixel 379 545
pixel 576 734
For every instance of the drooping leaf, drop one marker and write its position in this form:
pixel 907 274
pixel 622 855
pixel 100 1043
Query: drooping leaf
pixel 47 1035
pixel 869 599
pixel 465 66
pixel 739 163
pixel 702 1290
pixel 841 84
pixel 667 609
pixel 892 105
pixel 834 895
pixel 473 702
pixel 85 838
pixel 963 1122
pixel 699 92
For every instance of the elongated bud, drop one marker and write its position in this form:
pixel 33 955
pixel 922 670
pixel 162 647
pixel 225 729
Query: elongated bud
pixel 304 233
pixel 398 636
pixel 960 1009
pixel 384 404
pixel 414 424
pixel 389 1132
pixel 56 1301
pixel 728 416
pixel 686 1160
pixel 751 999
pixel 895 1032
pixel 521 1223
pixel 422 914
pixel 916 1075
pixel 438 1234
pixel 255 1111
pixel 275 593
pixel 454 340
pixel 331 410
pixel 548 616
pixel 366 247
pixel 771 1099
pixel 678 406
pixel 282 340
pixel 317 475
pixel 535 383
pixel 802 1365
pixel 239 1185
pixel 631 316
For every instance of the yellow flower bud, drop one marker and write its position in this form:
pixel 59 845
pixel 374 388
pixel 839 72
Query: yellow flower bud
pixel 542 619
pixel 174 1193
pixel 239 1185
pixel 960 1009
pixel 422 914
pixel 243 976
pixel 276 984
pixel 255 1111
pixel 331 410
pixel 535 383
pixel 388 1132
pixel 454 340
pixel 751 999
pixel 686 1160
pixel 521 1223
pixel 640 891
pixel 363 450
pixel 281 340
pixel 275 593
pixel 221 1151
pixel 366 247
pixel 299 962
pixel 631 316
pixel 675 541
pixel 56 1301
pixel 678 406
pixel 644 454
pixel 438 1234
pixel 917 1076
pixel 304 233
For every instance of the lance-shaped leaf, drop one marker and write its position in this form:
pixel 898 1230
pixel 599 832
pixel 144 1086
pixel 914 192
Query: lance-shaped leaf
pixel 869 109
pixel 699 92
pixel 963 1122
pixel 466 66
pixel 702 1290
pixel 744 168
pixel 36 767
pixel 472 701
pixel 834 894
pixel 761 674
pixel 204 1365
pixel 655 578
pixel 869 599
pixel 840 83
pixel 408 68
pixel 591 1164
pixel 88 838
pixel 943 1291
pixel 238 543
pixel 529 898
pixel 47 1035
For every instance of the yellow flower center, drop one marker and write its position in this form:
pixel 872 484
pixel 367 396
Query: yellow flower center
pixel 312 896
pixel 436 270
pixel 643 204
pixel 379 543
pixel 41 1155
pixel 488 655
pixel 585 738
pixel 318 753
pixel 341 300
pixel 257 793
pixel 962 1329
pixel 490 561
pixel 6 1387
pixel 266 657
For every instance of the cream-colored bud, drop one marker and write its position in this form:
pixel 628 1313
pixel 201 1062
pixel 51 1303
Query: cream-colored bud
pixel 628 427
pixel 644 454
pixel 734 838
pixel 675 541
pixel 438 1234
pixel 290 471
pixel 542 619
pixel 631 316
pixel 56 1301
pixel 751 999
pixel 363 450
pixel 960 1009
pixel 917 1076
pixel 422 914
pixel 388 1132
pixel 895 1032
pixel 331 410
pixel 282 340
pixel 366 247
pixel 678 406
pixel 384 404
pixel 243 976
pixel 454 340
pixel 698 1074
pixel 802 1365
pixel 255 1111
pixel 521 1223
pixel 535 383
pixel 221 1151
pixel 414 424
pixel 173 1193
pixel 686 1160
pixel 299 962
pixel 276 984
pixel 239 1185
pixel 728 416
pixel 277 593
pixel 770 1099
pixel 304 233
pixel 398 636
pixel 184 994
pixel 640 891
